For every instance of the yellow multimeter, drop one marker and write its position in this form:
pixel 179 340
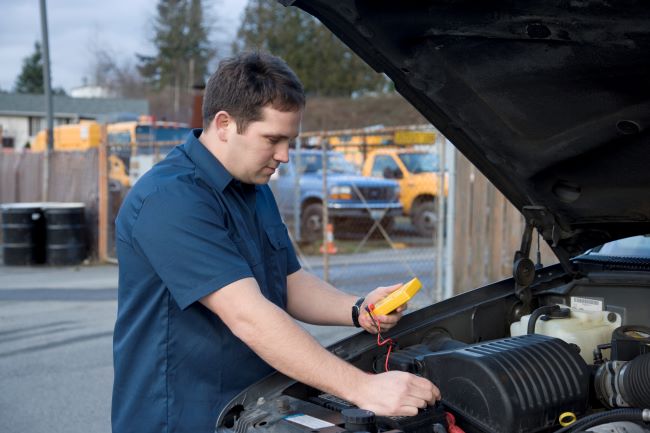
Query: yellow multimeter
pixel 399 297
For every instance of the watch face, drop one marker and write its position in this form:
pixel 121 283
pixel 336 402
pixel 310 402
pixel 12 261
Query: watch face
pixel 355 312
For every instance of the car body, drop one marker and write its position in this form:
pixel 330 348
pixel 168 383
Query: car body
pixel 551 102
pixel 417 172
pixel 353 200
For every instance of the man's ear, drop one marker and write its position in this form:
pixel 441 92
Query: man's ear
pixel 221 122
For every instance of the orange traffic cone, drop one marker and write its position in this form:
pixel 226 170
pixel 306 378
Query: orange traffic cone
pixel 329 246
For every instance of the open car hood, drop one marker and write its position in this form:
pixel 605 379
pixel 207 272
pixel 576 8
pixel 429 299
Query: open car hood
pixel 550 100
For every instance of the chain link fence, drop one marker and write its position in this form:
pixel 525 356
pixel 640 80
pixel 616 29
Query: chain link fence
pixel 362 206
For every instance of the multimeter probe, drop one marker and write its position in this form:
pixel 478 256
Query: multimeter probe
pixel 387 305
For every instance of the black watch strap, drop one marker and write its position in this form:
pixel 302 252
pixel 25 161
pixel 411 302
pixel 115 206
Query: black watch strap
pixel 356 310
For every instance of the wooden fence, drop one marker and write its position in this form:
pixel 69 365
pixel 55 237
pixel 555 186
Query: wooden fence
pixel 20 177
pixel 73 178
pixel 487 231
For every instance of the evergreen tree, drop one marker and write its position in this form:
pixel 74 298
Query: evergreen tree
pixel 181 40
pixel 30 79
pixel 200 51
pixel 325 66
pixel 182 45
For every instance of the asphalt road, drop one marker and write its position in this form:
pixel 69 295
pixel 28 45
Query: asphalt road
pixel 56 336
pixel 55 365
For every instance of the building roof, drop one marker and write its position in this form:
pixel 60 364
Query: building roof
pixel 18 104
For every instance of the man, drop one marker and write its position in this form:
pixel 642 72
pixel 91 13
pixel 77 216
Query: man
pixel 209 281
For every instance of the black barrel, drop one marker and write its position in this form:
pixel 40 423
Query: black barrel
pixel 66 233
pixel 23 233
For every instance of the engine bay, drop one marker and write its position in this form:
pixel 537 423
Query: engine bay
pixel 579 360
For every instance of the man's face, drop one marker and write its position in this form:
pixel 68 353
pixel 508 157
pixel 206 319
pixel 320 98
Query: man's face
pixel 255 154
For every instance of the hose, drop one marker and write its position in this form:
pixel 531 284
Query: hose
pixel 440 340
pixel 605 417
pixel 637 381
pixel 624 383
pixel 547 309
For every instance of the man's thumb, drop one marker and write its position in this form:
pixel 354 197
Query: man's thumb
pixel 390 289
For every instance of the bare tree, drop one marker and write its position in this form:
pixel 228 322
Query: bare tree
pixel 118 75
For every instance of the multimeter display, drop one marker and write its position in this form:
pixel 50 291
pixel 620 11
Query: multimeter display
pixel 399 297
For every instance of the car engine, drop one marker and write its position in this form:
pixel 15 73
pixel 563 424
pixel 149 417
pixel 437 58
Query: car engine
pixel 596 378
pixel 509 385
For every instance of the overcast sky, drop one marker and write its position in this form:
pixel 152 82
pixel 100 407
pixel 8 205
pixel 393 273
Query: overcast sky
pixel 76 27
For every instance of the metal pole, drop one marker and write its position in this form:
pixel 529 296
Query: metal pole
pixel 102 235
pixel 440 226
pixel 451 214
pixel 326 257
pixel 297 163
pixel 48 102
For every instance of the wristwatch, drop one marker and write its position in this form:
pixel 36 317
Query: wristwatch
pixel 356 310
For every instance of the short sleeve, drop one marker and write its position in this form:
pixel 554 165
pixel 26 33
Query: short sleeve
pixel 184 238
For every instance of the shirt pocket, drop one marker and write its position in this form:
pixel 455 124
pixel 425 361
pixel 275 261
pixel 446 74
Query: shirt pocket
pixel 247 249
pixel 278 241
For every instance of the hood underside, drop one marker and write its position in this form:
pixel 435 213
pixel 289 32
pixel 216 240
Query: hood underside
pixel 550 100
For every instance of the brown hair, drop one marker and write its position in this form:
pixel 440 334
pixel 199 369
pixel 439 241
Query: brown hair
pixel 245 83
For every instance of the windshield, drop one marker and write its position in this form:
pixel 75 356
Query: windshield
pixel 636 246
pixel 420 162
pixel 336 163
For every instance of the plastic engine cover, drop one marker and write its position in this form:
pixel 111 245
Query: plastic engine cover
pixel 515 385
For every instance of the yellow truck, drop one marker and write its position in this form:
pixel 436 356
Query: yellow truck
pixel 418 177
pixel 136 145
pixel 73 137
pixel 79 137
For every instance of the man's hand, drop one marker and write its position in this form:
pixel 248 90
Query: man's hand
pixel 385 322
pixel 288 348
pixel 396 393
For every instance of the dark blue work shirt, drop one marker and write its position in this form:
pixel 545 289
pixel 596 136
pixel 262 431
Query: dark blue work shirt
pixel 187 229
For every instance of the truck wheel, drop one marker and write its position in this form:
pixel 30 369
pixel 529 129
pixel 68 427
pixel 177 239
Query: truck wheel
pixel 425 218
pixel 311 223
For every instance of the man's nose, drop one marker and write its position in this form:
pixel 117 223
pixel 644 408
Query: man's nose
pixel 282 152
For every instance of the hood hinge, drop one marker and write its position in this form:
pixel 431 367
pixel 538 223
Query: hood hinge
pixel 551 230
pixel 523 269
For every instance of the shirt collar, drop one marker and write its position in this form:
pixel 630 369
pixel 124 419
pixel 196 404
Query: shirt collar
pixel 209 167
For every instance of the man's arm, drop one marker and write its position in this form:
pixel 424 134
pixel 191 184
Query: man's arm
pixel 312 300
pixel 288 348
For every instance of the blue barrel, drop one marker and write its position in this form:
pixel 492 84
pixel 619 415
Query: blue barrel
pixel 23 233
pixel 66 233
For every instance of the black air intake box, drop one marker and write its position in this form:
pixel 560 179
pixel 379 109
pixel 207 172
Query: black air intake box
pixel 515 385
